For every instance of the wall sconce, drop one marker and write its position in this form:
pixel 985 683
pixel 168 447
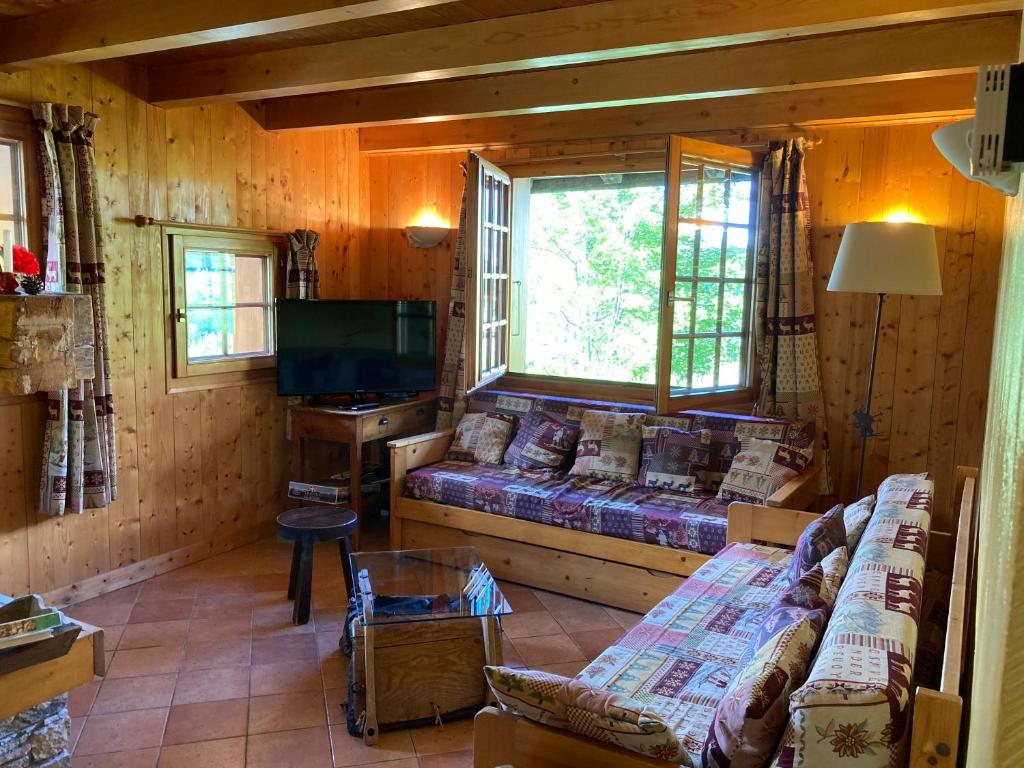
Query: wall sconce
pixel 427 230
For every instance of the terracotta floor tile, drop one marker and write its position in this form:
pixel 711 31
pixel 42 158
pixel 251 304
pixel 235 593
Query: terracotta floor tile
pixel 286 712
pixel 167 590
pixel 128 693
pixel 305 748
pixel 350 750
pixel 334 670
pixel 123 731
pixel 585 618
pixel 564 668
pixel 510 656
pixel 222 605
pixel 226 585
pixel 101 614
pixel 212 685
pixel 272 582
pixel 285 677
pixel 223 628
pixel 161 610
pixel 135 758
pixel 522 599
pixel 277 620
pixel 270 650
pixel 80 700
pixel 530 624
pixel 152 633
pixel 211 654
pixel 450 737
pixel 336 698
pixel 112 636
pixel 134 662
pixel 556 603
pixel 223 753
pixel 594 642
pixel 625 619
pixel 460 759
pixel 330 619
pixel 206 721
pixel 551 649
pixel 74 731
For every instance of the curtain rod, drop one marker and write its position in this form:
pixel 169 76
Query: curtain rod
pixel 139 220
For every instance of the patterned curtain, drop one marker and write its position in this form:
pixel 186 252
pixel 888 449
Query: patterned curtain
pixel 784 332
pixel 79 453
pixel 452 401
pixel 303 277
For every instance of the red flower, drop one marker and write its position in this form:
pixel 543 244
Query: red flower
pixel 25 261
pixel 8 282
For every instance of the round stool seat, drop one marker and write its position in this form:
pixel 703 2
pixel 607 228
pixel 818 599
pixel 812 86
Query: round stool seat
pixel 319 523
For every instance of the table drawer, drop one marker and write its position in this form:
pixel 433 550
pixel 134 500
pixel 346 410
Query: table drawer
pixel 415 419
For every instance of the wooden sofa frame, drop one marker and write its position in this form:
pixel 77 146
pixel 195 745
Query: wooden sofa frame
pixel 504 739
pixel 626 574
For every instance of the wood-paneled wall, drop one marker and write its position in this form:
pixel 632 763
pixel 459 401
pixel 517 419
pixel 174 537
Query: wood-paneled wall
pixel 201 470
pixel 932 377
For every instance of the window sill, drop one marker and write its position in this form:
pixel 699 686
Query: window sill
pixel 221 380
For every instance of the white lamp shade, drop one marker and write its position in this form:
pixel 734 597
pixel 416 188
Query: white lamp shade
pixel 887 257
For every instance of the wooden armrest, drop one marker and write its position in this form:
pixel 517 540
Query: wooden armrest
pixel 798 493
pixel 426 437
pixel 757 522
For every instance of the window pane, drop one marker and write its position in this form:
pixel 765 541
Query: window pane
pixel 250 279
pixel 714 202
pixel 689 204
pixel 8 238
pixel 592 276
pixel 739 198
pixel 209 278
pixel 710 251
pixel 680 378
pixel 682 311
pixel 736 254
pixel 7 166
pixel 732 309
pixel 704 363
pixel 730 364
pixel 707 307
pixel 686 244
pixel 224 332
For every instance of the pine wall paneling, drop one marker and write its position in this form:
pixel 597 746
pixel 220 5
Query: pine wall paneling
pixel 199 471
pixel 932 375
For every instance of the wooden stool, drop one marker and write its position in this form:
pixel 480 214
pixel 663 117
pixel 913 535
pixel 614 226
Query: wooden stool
pixel 305 526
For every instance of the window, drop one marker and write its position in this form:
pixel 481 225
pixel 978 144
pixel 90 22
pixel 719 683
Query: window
pixel 641 278
pixel 223 302
pixel 13 229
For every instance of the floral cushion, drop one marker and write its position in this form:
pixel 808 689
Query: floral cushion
pixel 481 437
pixel 817 540
pixel 761 469
pixel 855 520
pixel 574 705
pixel 542 442
pixel 679 660
pixel 672 458
pixel 609 445
pixel 753 712
pixel 854 708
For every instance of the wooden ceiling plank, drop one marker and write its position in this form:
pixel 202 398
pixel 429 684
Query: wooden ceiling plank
pixel 107 29
pixel 935 97
pixel 597 32
pixel 942 46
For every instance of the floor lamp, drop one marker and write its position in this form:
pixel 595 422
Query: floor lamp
pixel 884 257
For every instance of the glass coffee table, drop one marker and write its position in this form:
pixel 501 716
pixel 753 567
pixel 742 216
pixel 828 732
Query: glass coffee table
pixel 429 620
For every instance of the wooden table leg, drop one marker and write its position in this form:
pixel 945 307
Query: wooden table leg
pixel 493 656
pixel 293 578
pixel 355 468
pixel 303 595
pixel 370 724
pixel 345 551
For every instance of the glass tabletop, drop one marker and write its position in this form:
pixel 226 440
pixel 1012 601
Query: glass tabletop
pixel 424 585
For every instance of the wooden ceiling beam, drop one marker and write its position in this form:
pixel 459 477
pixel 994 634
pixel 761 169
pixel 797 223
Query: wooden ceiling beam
pixel 886 53
pixel 106 29
pixel 945 96
pixel 614 29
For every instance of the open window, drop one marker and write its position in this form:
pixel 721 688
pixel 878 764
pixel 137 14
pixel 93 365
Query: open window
pixel 222 302
pixel 19 193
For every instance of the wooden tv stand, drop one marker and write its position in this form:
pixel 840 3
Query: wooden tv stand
pixel 353 429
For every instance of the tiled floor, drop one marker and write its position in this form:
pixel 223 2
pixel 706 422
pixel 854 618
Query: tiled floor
pixel 206 670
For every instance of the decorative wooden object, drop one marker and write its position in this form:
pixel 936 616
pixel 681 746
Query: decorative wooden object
pixel 45 342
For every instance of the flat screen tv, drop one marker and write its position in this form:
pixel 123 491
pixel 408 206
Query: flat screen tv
pixel 351 347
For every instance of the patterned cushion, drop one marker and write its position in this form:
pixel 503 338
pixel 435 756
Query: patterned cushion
pixel 695 521
pixel 671 458
pixel 679 660
pixel 481 437
pixel 542 442
pixel 855 520
pixel 575 706
pixel 753 712
pixel 609 446
pixel 817 540
pixel 761 469
pixel 855 704
pixel 567 410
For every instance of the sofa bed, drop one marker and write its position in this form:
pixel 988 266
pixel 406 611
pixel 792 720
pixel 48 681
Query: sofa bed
pixel 766 656
pixel 619 540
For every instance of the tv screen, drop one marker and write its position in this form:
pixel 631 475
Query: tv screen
pixel 344 347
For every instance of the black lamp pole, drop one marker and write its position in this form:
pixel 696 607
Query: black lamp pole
pixel 862 418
